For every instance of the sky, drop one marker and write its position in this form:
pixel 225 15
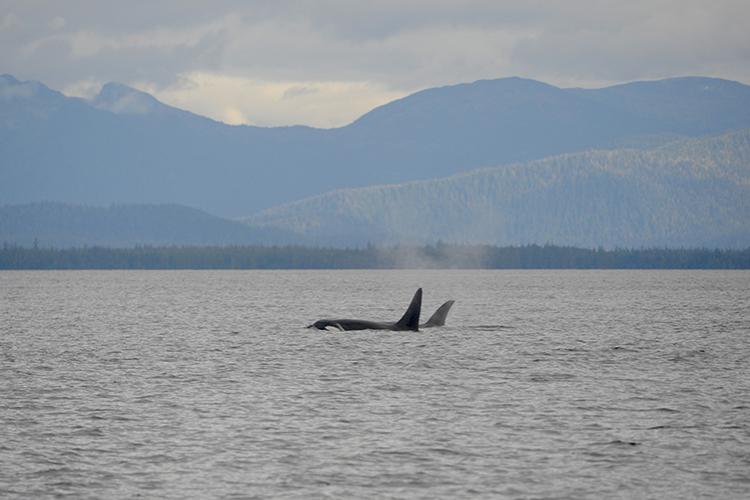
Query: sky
pixel 324 63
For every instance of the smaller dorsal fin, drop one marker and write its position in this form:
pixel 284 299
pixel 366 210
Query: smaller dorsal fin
pixel 410 319
pixel 438 319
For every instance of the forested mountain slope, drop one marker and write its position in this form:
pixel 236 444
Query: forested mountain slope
pixel 688 193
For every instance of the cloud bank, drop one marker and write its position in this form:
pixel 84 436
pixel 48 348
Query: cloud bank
pixel 324 63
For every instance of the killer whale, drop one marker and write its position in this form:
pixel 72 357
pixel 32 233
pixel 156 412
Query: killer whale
pixel 408 322
pixel 438 319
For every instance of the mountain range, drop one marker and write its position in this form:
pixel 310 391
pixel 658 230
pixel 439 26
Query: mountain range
pixel 688 193
pixel 507 161
pixel 124 146
pixel 63 225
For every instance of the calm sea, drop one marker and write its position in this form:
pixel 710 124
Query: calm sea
pixel 543 384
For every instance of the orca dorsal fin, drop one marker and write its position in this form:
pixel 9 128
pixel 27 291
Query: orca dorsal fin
pixel 410 319
pixel 438 319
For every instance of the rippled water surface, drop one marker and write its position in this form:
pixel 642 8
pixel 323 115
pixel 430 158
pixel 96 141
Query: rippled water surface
pixel 543 384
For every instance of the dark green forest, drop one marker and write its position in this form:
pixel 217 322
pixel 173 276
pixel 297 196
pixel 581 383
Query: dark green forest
pixel 439 256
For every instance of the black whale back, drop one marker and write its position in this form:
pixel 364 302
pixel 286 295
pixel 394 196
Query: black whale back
pixel 410 319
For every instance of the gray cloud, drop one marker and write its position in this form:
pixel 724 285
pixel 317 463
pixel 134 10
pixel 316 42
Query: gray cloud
pixel 298 91
pixel 392 46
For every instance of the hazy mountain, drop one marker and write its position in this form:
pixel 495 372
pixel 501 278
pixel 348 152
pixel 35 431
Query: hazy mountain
pixel 123 100
pixel 62 225
pixel 687 193
pixel 124 146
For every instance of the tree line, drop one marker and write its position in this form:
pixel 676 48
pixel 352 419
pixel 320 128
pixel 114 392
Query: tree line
pixel 438 256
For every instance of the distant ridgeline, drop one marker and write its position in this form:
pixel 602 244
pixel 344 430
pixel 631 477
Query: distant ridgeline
pixel 126 146
pixel 438 256
pixel 509 162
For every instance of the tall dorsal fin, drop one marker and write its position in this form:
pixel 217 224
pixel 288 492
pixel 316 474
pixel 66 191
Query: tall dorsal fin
pixel 438 319
pixel 410 319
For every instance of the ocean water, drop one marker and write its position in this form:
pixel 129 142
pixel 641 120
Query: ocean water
pixel 206 384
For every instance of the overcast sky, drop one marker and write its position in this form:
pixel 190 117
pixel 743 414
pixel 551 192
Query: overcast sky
pixel 324 63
